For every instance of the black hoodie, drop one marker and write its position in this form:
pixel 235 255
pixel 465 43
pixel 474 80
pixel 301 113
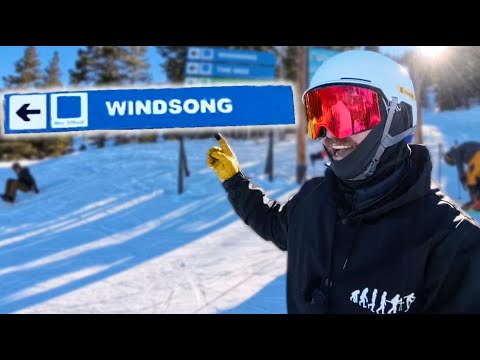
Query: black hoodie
pixel 462 154
pixel 396 244
pixel 26 177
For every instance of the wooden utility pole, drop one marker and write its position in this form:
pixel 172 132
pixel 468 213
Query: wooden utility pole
pixel 418 130
pixel 418 95
pixel 301 116
pixel 418 84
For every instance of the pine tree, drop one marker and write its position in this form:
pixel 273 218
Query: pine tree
pixel 81 74
pixel 54 145
pixel 52 73
pixel 27 71
pixel 174 61
pixel 456 77
pixel 104 65
pixel 136 65
pixel 29 75
pixel 99 65
pixel 108 65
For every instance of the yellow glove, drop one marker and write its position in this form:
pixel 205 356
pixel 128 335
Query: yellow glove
pixel 222 159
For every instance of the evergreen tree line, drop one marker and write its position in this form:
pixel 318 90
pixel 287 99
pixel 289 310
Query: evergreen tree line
pixel 96 65
pixel 28 75
pixel 455 79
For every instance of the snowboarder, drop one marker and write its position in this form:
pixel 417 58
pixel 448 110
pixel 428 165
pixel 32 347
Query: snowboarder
pixel 24 182
pixel 376 217
pixel 467 153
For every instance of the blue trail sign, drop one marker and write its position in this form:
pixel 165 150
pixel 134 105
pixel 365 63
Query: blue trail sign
pixel 148 109
pixel 218 55
pixel 234 71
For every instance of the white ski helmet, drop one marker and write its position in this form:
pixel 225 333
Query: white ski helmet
pixel 372 70
pixel 368 68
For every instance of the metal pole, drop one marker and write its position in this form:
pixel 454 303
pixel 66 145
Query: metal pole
pixel 185 163
pixel 440 156
pixel 301 117
pixel 269 164
pixel 180 166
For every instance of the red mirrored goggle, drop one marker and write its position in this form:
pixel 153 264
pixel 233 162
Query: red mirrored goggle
pixel 344 110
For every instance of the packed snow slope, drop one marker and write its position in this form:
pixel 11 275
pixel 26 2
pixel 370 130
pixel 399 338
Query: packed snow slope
pixel 108 232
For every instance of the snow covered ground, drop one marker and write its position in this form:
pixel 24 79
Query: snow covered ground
pixel 108 232
pixel 8 164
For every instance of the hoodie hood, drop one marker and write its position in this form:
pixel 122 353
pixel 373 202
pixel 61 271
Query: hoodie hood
pixel 399 181
pixel 361 158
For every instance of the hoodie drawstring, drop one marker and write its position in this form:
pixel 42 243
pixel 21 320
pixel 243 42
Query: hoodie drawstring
pixel 352 241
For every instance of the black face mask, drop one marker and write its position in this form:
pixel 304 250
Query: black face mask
pixel 359 159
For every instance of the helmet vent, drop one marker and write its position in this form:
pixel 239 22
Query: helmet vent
pixel 355 79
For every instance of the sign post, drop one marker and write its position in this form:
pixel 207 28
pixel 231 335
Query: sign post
pixel 269 163
pixel 217 66
pixel 182 165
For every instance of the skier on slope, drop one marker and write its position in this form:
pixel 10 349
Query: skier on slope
pixel 467 153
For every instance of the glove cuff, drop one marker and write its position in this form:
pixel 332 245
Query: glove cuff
pixel 229 183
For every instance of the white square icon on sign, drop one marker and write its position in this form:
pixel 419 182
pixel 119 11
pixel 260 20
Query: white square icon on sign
pixel 27 112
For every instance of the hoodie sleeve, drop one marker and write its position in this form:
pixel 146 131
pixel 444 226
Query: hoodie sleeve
pixel 268 218
pixel 452 282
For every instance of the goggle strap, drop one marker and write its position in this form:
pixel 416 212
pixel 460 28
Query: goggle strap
pixel 399 137
pixel 388 123
pixel 385 142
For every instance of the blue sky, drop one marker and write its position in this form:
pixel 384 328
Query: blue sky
pixel 68 55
